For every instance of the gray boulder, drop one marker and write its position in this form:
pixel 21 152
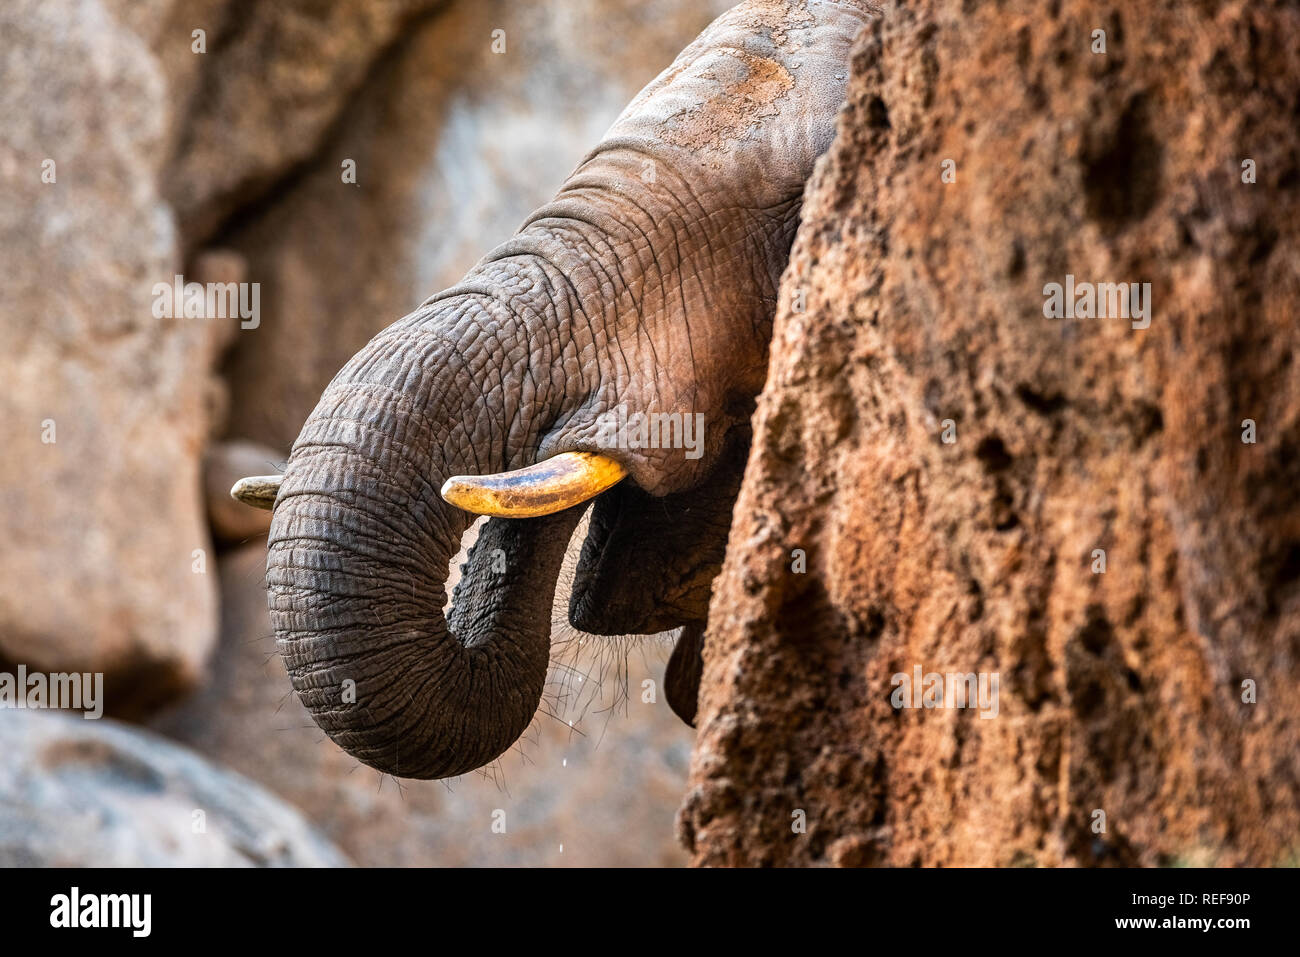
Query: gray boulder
pixel 79 793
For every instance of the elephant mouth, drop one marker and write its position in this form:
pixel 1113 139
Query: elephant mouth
pixel 605 595
pixel 647 566
pixel 603 599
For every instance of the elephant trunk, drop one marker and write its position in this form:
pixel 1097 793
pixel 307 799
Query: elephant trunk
pixel 360 544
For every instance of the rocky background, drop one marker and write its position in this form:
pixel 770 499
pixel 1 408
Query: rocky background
pixel 128 156
pixel 937 466
pixel 951 462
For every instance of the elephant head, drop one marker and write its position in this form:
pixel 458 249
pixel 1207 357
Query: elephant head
pixel 644 293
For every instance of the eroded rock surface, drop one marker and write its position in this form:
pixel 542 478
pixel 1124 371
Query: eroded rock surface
pixel 1120 692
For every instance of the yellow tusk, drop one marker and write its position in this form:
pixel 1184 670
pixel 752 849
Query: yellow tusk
pixel 257 491
pixel 540 489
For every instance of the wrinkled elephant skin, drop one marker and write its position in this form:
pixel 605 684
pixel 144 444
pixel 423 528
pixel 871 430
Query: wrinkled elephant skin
pixel 648 285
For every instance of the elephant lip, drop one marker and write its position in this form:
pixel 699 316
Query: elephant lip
pixel 591 574
pixel 601 534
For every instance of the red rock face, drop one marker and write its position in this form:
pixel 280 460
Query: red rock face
pixel 923 313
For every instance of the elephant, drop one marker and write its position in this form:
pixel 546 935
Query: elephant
pixel 647 287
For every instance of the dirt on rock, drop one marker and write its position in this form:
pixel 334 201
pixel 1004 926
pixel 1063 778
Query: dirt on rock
pixel 1104 515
